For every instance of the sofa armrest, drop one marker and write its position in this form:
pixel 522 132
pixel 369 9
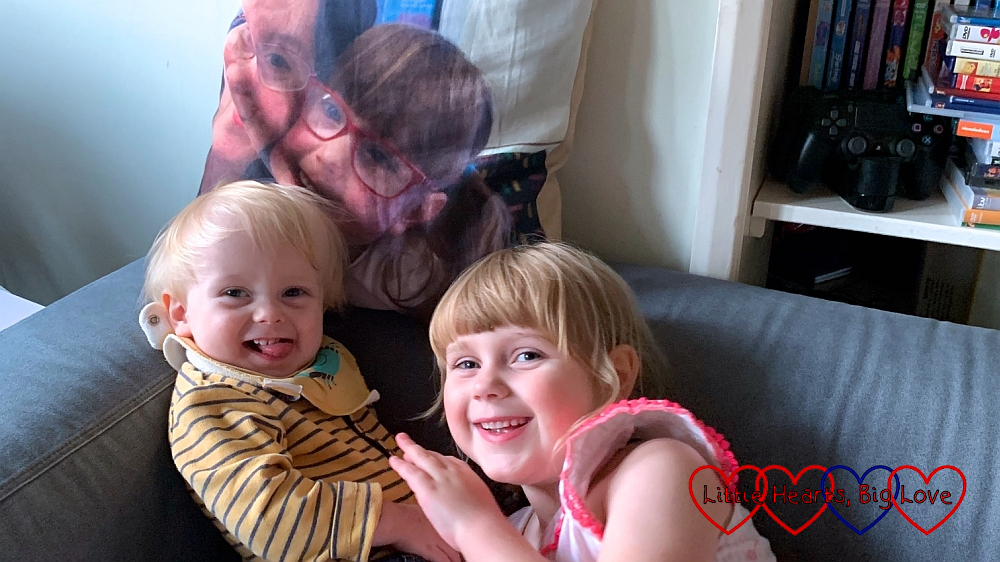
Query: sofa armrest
pixel 85 471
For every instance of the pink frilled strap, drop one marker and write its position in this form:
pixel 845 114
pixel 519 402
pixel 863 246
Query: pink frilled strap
pixel 591 445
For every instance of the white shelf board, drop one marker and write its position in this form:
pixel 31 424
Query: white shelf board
pixel 930 220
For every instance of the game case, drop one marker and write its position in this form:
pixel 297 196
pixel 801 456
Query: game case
pixel 973 50
pixel 821 39
pixel 858 44
pixel 894 46
pixel 915 40
pixel 876 40
pixel 838 45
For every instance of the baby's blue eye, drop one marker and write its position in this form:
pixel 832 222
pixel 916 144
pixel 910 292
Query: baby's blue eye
pixel 235 293
pixel 528 356
pixel 294 292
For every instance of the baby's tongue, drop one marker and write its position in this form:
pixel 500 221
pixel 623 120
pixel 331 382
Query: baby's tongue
pixel 278 350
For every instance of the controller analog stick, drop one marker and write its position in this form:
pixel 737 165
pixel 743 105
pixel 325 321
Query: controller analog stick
pixel 905 148
pixel 857 145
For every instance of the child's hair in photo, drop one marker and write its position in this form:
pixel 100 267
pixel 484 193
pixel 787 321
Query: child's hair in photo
pixel 414 87
pixel 270 214
pixel 572 297
pixel 417 89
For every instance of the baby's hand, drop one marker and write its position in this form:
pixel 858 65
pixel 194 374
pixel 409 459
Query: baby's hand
pixel 447 489
pixel 405 527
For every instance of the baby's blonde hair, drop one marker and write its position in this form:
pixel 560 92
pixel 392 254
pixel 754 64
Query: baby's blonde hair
pixel 573 298
pixel 270 214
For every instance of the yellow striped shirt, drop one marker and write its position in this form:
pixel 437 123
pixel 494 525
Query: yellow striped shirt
pixel 285 477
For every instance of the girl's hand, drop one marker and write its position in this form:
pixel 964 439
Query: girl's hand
pixel 450 493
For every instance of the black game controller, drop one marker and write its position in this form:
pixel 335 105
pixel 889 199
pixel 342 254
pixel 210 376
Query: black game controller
pixel 865 146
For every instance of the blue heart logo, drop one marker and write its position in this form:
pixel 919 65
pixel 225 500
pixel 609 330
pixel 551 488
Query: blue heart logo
pixel 860 479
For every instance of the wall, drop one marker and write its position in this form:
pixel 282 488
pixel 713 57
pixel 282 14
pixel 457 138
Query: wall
pixel 105 112
pixel 630 186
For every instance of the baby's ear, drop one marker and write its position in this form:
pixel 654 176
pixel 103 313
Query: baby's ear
pixel 626 361
pixel 177 315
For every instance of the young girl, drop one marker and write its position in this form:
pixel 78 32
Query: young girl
pixel 537 346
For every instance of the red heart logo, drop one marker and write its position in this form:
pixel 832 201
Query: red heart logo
pixel 795 480
pixel 927 480
pixel 729 481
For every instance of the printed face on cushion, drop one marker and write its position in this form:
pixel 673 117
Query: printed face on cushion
pixel 509 396
pixel 263 110
pixel 256 310
pixel 330 151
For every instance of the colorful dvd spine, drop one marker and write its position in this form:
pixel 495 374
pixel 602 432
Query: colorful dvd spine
pixel 894 48
pixel 859 37
pixel 914 44
pixel 975 83
pixel 821 42
pixel 974 33
pixel 876 39
pixel 937 41
pixel 969 49
pixel 838 44
pixel 973 67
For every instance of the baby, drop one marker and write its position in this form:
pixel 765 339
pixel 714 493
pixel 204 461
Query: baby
pixel 271 422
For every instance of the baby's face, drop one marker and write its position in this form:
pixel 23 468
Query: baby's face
pixel 256 310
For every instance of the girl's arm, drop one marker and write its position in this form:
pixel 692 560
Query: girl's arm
pixel 650 514
pixel 460 507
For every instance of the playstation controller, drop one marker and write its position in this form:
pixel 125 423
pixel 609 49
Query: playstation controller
pixel 865 146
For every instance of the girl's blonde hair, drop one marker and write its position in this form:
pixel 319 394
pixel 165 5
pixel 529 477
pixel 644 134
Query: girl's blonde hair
pixel 270 214
pixel 567 294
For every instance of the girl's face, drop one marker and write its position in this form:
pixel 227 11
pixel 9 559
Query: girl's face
pixel 509 396
pixel 256 113
pixel 330 151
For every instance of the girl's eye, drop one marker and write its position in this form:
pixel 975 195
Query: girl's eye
pixel 528 356
pixel 466 364
pixel 332 111
pixel 234 293
pixel 379 157
pixel 279 62
pixel 294 292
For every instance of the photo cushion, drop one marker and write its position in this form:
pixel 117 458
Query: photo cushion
pixel 434 125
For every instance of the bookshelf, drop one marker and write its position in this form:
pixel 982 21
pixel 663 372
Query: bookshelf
pixel 739 204
pixel 930 220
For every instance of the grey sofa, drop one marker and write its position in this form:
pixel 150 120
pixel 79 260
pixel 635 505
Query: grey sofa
pixel 85 472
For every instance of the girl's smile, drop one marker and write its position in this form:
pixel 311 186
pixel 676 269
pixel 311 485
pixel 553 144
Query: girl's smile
pixel 510 395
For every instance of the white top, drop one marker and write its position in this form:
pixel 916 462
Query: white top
pixel 575 535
